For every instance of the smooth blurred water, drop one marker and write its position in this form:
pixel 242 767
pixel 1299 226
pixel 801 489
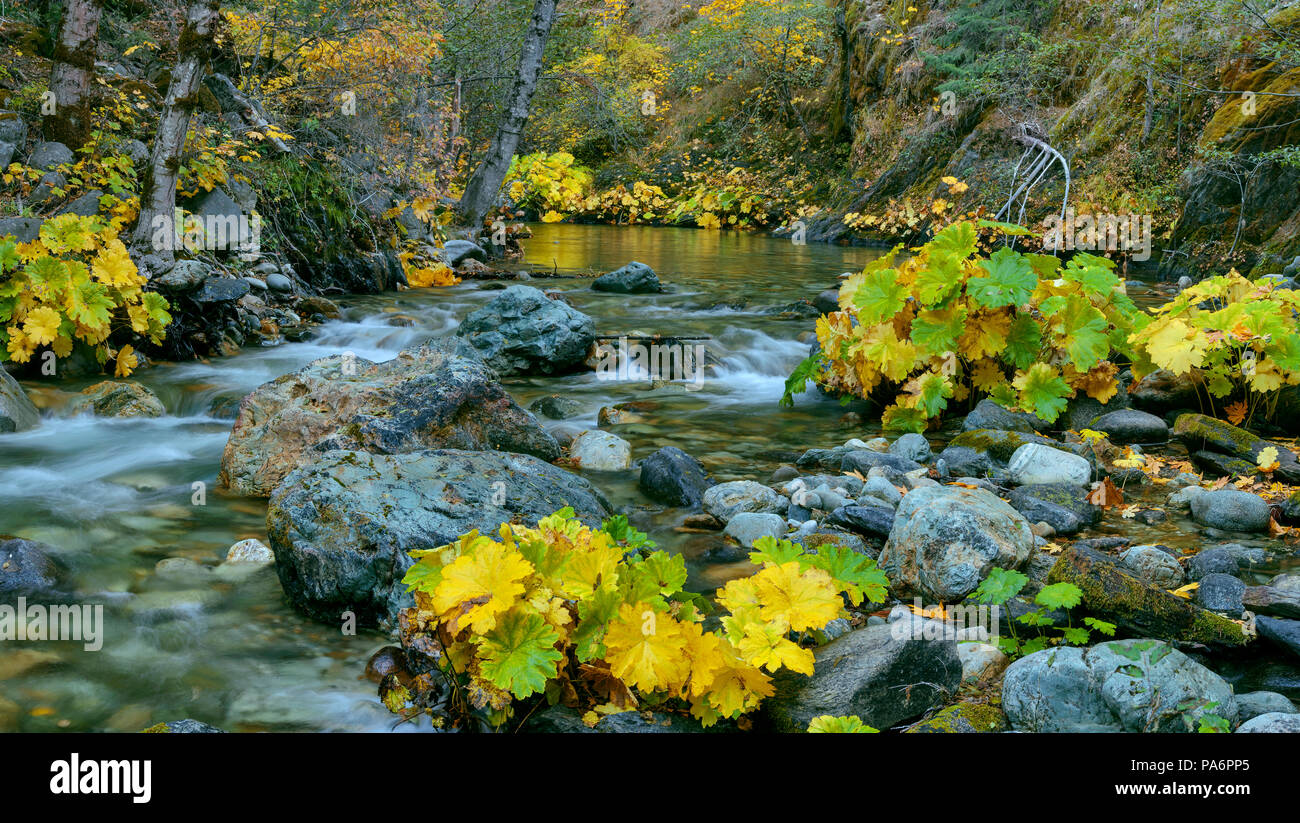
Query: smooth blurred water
pixel 113 497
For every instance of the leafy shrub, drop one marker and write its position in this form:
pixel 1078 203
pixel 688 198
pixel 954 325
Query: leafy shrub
pixel 952 323
pixel 75 281
pixel 830 724
pixel 593 616
pixel 550 184
pixel 1238 339
pixel 1002 585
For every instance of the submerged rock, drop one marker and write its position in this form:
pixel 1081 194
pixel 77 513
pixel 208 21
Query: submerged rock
pixel 634 278
pixel 341 528
pixel 522 331
pixel 672 477
pixel 26 569
pixel 946 539
pixel 423 398
pixel 118 398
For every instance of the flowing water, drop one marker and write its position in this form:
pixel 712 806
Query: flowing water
pixel 117 496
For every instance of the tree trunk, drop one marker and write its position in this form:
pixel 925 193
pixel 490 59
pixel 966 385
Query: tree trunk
pixel 156 228
pixel 486 180
pixel 74 69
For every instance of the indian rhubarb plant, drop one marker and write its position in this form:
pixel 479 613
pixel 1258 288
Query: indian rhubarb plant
pixel 953 323
pixel 597 620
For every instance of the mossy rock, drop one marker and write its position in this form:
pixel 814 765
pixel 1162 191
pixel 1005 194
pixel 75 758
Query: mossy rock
pixel 1144 609
pixel 963 718
pixel 997 443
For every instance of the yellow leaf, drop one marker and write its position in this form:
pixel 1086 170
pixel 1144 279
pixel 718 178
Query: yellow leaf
pixel 126 362
pixel 801 600
pixel 480 586
pixel 644 649
pixel 42 325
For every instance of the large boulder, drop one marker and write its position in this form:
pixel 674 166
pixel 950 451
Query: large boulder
pixel 16 411
pixel 634 278
pixel 342 527
pixel 1271 723
pixel 423 398
pixel 884 674
pixel 672 477
pixel 1138 685
pixel 522 331
pixel 946 539
pixel 1132 426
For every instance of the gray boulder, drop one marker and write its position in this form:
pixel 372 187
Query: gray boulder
pixel 597 450
pixel 1123 685
pixel 963 461
pixel 17 413
pixel 26 569
pixel 1271 723
pixel 455 252
pixel 22 229
pixel 747 527
pixel 880 673
pixel 423 398
pixel 1154 566
pixel 946 539
pixel 871 521
pixel 342 527
pixel 1035 463
pixel 1062 506
pixel 50 155
pixel 726 500
pixel 1252 704
pixel 1221 593
pixel 522 331
pixel 911 446
pixel 634 278
pixel 1132 426
pixel 989 415
pixel 1231 510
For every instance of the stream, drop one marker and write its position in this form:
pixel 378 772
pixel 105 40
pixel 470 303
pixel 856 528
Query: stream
pixel 115 497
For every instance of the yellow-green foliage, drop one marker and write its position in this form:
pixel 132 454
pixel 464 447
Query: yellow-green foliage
pixel 551 184
pixel 584 616
pixel 954 320
pixel 1237 339
pixel 75 281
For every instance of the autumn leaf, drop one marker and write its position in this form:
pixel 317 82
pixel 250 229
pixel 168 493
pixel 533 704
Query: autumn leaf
pixel 480 586
pixel 1105 494
pixel 1235 412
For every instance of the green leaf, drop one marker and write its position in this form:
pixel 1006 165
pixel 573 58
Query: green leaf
pixel 880 297
pixel 797 382
pixel 519 655
pixel 936 330
pixel 655 577
pixel 942 275
pixel 855 574
pixel 932 393
pixel 768 549
pixel 1000 586
pixel 1102 626
pixel 957 241
pixel 898 418
pixel 1023 342
pixel 1059 596
pixel 1010 280
pixel 1076 636
pixel 1043 392
pixel 1084 330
